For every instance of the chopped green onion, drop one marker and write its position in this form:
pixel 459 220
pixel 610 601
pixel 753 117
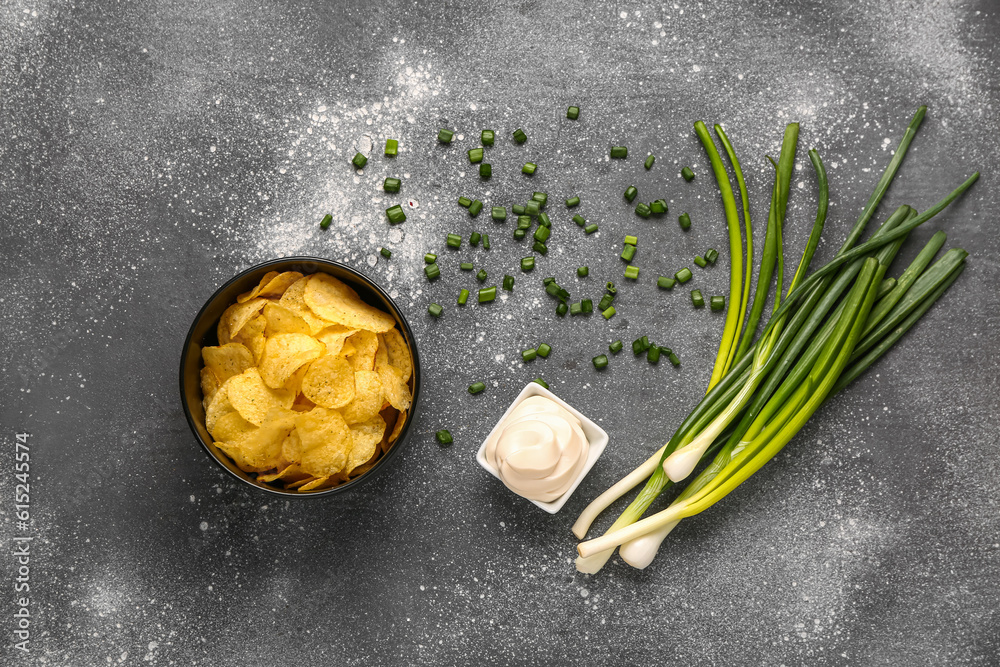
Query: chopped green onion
pixel 486 137
pixel 561 309
pixel 711 255
pixel 487 294
pixel 519 136
pixel 648 164
pixel 359 161
pixel 476 387
pixel 572 201
pixel 639 346
pixel 541 197
pixel 610 287
pixel 529 168
pixel 532 207
pixel 628 253
pixel 630 193
pixel 474 238
pixel 642 210
pixel 632 272
pixel 325 222
pixel 552 288
pixel 486 241
pixel 485 170
pixel 600 361
pixel 582 271
pixel 463 296
pixel 454 241
pixel 674 359
pixel 385 252
pixel 615 347
pixel 606 301
pixel 687 174
pixel 631 240
pixel 395 214
pixel 697 299
pixel 391 184
pixel 524 222
pixel 391 147
pixel 591 228
pixel 481 276
pixel 475 155
pixel 527 263
pixel 653 354
pixel 435 310
pixel 539 247
pixel 717 302
pixel 541 382
pixel 573 113
pixel 579 220
pixel 498 213
pixel 508 283
pixel 529 354
pixel 700 261
pixel 665 283
pixel 546 281
pixel 619 152
pixel 466 266
pixel 575 309
pixel 444 437
pixel 430 258
pixel 683 275
pixel 445 136
pixel 520 234
pixel 685 221
pixel 542 233
pixel 543 219
pixel 587 305
pixel 475 207
pixel 464 202
pixel 658 206
pixel 609 312
pixel 543 350
pixel 517 209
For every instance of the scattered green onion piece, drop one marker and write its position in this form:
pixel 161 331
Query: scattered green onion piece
pixel 658 206
pixel 697 299
pixel 474 238
pixel 665 283
pixel 445 136
pixel 685 221
pixel 605 302
pixel 541 382
pixel 546 281
pixel 543 219
pixel 486 137
pixel 435 310
pixel 575 309
pixel 529 354
pixel 508 283
pixel 573 113
pixel 687 174
pixel 487 294
pixel 582 271
pixel 609 312
pixel 711 255
pixel 631 240
pixel 540 247
pixel 498 213
pixel 579 220
pixel 485 170
pixel 529 168
pixel 385 252
pixel 653 354
pixel 591 228
pixel 464 202
pixel 463 296
pixel 519 136
pixel 444 437
pixel 600 361
pixel 481 276
pixel 517 209
pixel 683 275
pixel 476 387
pixel 519 234
pixel 561 309
pixel 638 346
pixel 717 302
pixel 619 152
pixel 524 222
pixel 616 347
pixel 527 263
pixel 532 207
pixel 628 253
pixel 391 147
pixel 572 201
pixel 587 305
pixel 645 343
pixel 648 164
pixel 430 258
pixel 630 193
pixel 610 287
pixel 674 359
pixel 541 197
pixel 543 350
pixel 542 233
pixel 632 272
pixel 475 155
pixel 391 184
pixel 475 207
pixel 454 241
pixel 642 210
pixel 359 161
pixel 486 241
pixel 325 222
pixel 395 214
pixel 466 266
pixel 700 261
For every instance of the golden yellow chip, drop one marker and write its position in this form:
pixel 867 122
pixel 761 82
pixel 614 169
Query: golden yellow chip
pixel 218 406
pixel 231 427
pixel 334 336
pixel 299 483
pixel 284 354
pixel 348 349
pixel 293 472
pixel 365 345
pixel 236 316
pixel 329 382
pixel 277 285
pixel 314 483
pixel 227 360
pixel 234 450
pixel 394 389
pixel 326 441
pixel 396 429
pixel 262 447
pixel 251 336
pixel 284 320
pixel 334 301
pixel 291 448
pixel 209 385
pixel 252 398
pixel 366 436
pixel 399 352
pixel 367 398
pixel 246 296
pixel 293 300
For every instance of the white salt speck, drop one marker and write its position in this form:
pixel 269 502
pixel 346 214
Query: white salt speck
pixel 211 148
pixel 623 15
pixel 695 68
pixel 204 525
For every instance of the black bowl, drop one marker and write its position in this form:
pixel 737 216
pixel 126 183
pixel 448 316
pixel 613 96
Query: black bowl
pixel 203 334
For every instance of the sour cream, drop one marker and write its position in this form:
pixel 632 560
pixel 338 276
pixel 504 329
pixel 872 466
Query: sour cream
pixel 539 450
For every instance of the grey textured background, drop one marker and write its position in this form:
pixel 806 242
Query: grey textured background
pixel 151 150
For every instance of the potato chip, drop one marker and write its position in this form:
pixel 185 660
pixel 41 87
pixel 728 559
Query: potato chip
pixel 367 398
pixel 329 382
pixel 394 389
pixel 332 300
pixel 334 336
pixel 299 483
pixel 293 300
pixel 365 344
pixel 252 398
pixel 396 430
pixel 294 382
pixel 234 451
pixel 277 285
pixel 314 483
pixel 284 354
pixel 237 315
pixel 291 447
pixel 227 360
pixel 366 436
pixel 251 336
pixel 326 441
pixel 399 352
pixel 209 385
pixel 284 320
pixel 220 405
pixel 231 427
pixel 293 472
pixel 348 349
pixel 262 447
pixel 246 296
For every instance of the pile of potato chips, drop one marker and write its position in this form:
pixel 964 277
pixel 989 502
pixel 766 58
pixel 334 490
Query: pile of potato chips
pixel 309 385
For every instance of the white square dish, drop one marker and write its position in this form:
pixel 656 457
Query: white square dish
pixel 596 436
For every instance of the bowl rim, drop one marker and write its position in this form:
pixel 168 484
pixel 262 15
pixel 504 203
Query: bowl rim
pixel 401 320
